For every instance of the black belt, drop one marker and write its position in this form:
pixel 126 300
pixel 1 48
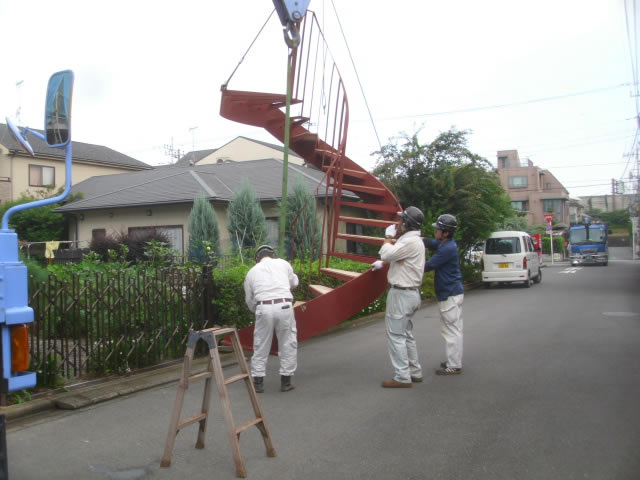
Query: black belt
pixel 404 288
pixel 274 301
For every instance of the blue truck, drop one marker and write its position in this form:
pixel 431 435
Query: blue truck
pixel 588 243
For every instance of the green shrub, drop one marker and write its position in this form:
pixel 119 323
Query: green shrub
pixel 558 245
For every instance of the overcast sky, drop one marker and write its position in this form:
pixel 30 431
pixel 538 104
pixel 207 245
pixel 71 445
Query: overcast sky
pixel 148 74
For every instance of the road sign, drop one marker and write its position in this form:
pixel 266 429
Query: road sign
pixel 548 217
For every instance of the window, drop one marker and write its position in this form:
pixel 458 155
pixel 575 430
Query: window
pixel 40 176
pixel 554 205
pixel 503 162
pixel 548 186
pixel 173 233
pixel 520 205
pixel 354 247
pixel 518 182
pixel 506 245
pixel 273 231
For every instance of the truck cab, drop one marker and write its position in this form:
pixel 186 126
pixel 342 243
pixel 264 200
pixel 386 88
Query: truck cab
pixel 588 244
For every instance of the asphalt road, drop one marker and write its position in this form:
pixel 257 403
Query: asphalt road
pixel 550 390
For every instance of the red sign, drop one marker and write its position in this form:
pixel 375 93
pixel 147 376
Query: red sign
pixel 548 217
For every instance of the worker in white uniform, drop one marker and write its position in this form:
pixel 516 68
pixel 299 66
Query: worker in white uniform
pixel 406 257
pixel 267 289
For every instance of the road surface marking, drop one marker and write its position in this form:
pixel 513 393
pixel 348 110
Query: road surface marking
pixel 570 270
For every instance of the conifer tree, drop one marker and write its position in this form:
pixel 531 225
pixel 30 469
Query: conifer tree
pixel 204 234
pixel 247 223
pixel 301 209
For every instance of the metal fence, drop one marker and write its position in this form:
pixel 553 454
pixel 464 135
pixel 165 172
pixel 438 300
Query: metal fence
pixel 99 323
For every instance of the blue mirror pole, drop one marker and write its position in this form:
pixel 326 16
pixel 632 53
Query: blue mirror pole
pixel 14 294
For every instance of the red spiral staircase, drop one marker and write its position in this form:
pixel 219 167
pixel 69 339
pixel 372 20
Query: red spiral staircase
pixel 318 133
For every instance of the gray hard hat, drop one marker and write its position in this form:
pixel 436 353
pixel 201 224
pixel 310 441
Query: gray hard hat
pixel 265 250
pixel 446 223
pixel 412 217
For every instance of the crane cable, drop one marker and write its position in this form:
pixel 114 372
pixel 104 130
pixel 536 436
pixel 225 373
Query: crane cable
pixel 224 85
pixel 357 76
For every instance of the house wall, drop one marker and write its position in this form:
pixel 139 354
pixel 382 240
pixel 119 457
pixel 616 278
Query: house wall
pixel 241 150
pixel 81 225
pixel 16 168
pixel 541 186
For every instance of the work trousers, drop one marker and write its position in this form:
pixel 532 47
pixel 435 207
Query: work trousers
pixel 451 329
pixel 403 351
pixel 278 317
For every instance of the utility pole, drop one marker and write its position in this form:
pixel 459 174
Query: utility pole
pixel 613 194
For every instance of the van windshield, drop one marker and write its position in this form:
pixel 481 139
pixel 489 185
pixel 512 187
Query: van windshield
pixel 505 245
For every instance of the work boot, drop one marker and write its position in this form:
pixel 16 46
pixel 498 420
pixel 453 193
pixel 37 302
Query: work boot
pixel 285 383
pixel 258 384
pixel 395 384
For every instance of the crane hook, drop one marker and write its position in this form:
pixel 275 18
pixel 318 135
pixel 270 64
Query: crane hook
pixel 291 35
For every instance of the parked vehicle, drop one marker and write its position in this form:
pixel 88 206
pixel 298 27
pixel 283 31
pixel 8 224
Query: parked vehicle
pixel 474 254
pixel 588 244
pixel 510 257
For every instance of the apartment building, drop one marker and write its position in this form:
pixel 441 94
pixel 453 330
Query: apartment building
pixel 532 189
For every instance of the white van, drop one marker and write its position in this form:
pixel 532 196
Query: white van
pixel 510 257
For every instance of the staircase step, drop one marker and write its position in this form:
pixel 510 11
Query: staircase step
pixel 380 191
pixel 305 137
pixel 349 172
pixel 340 274
pixel 354 256
pixel 278 105
pixel 361 238
pixel 318 290
pixel 297 121
pixel 372 222
pixel 373 206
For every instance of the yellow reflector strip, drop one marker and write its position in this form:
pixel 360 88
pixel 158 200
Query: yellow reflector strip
pixel 19 348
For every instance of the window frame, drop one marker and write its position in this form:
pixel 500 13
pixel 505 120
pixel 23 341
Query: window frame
pixel 526 181
pixel 41 167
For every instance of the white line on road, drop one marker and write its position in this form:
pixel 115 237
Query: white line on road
pixel 570 270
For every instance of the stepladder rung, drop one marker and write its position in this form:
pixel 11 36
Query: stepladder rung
pixel 191 420
pixel 235 378
pixel 199 376
pixel 247 425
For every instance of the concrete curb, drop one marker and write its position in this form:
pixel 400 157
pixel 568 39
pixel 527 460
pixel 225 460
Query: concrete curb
pixel 109 389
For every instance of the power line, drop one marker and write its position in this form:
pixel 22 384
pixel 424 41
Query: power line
pixel 503 105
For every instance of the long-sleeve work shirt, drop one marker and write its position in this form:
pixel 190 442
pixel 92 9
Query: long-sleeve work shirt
pixel 448 278
pixel 269 279
pixel 406 257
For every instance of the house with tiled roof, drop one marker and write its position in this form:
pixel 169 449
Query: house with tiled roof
pixel 21 173
pixel 162 198
pixel 239 149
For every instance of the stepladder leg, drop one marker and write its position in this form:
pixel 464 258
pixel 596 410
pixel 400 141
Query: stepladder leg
pixel 253 397
pixel 228 416
pixel 206 399
pixel 177 409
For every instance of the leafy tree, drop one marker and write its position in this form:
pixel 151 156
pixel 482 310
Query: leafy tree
pixel 444 176
pixel 617 218
pixel 40 224
pixel 203 230
pixel 247 224
pixel 301 209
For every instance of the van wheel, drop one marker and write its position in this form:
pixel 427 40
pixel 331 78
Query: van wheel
pixel 527 282
pixel 538 279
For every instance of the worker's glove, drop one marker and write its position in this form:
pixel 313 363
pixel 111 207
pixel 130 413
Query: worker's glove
pixel 390 231
pixel 377 265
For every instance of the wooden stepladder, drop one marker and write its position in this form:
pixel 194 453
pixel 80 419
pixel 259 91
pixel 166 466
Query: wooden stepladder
pixel 214 369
